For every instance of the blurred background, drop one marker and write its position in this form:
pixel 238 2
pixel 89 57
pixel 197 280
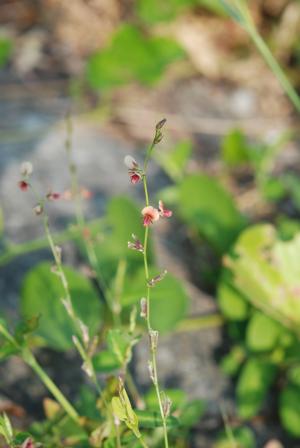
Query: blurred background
pixel 118 67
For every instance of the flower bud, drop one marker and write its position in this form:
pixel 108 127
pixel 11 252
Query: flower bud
pixel 151 371
pixel 23 185
pixel 160 124
pixel 153 336
pixel 26 169
pixel 158 278
pixel 130 162
pixel 58 252
pixel 144 308
pixel 38 209
pixel 166 405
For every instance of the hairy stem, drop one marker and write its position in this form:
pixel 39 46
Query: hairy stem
pixel 149 328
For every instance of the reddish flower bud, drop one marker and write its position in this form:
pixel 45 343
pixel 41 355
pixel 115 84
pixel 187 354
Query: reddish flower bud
pixel 53 196
pixel 158 278
pixel 136 244
pixel 23 185
pixel 134 177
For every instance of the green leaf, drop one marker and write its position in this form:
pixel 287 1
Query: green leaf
pixel 191 413
pixel 123 219
pixel 120 343
pixel 106 361
pixel 169 300
pixel 232 304
pixel 262 333
pixel 293 375
pixel 177 396
pixel 131 57
pixel 122 409
pixel 152 419
pixel 26 327
pixel 153 11
pixel 235 150
pixel 289 409
pixel 243 438
pixel 6 47
pixel 41 295
pixel 87 403
pixel 21 437
pixel 253 384
pixel 267 272
pixel 8 349
pixel 231 363
pixel 205 205
pixel 174 161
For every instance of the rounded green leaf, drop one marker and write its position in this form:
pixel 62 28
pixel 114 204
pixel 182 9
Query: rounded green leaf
pixel 289 409
pixel 205 205
pixel 262 332
pixel 253 384
pixel 131 56
pixel 231 302
pixel 42 292
pixel 169 300
pixel 243 438
pixel 106 361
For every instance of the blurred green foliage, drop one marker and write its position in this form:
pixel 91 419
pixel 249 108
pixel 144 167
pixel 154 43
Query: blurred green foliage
pixel 41 296
pixel 6 48
pixel 131 56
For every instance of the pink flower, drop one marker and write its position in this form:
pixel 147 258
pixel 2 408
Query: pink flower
pixel 133 169
pixel 23 185
pixel 165 213
pixel 150 215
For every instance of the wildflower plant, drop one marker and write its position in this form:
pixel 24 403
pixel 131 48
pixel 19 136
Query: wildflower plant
pixel 104 332
pixel 150 215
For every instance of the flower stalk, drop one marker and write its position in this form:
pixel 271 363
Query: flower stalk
pixel 150 215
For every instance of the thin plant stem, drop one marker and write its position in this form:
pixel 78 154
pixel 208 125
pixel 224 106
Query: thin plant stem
pixel 12 251
pixel 148 297
pixel 88 244
pixel 228 429
pixel 274 66
pixel 144 444
pixel 139 402
pixel 29 358
pixel 247 23
pixel 118 436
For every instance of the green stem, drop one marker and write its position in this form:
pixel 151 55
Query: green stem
pixel 248 24
pixel 144 444
pixel 29 358
pixel 89 247
pixel 149 328
pixel 15 250
pixel 274 66
pixel 139 402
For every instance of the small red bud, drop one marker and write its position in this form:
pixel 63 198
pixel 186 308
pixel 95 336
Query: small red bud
pixel 23 185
